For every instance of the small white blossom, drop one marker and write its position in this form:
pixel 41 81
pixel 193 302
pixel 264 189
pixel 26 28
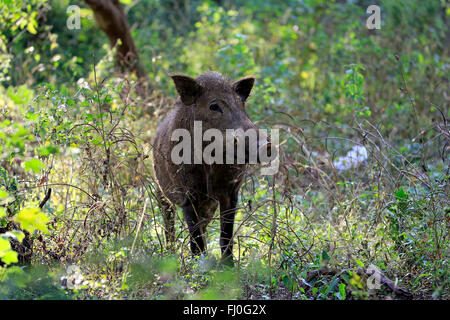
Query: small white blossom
pixel 353 158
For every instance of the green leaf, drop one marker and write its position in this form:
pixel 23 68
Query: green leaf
pixel 7 255
pixel 32 219
pixel 356 280
pixel 31 27
pixel 359 262
pixel 342 291
pixel 325 256
pixel 48 150
pixel 3 194
pixel 10 257
pixel 32 116
pixel 331 286
pixel 34 165
pixel 400 194
pixel 2 212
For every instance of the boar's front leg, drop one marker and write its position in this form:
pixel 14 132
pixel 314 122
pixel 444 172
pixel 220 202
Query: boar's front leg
pixel 228 208
pixel 197 237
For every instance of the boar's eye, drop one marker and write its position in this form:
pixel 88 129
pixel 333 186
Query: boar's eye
pixel 215 107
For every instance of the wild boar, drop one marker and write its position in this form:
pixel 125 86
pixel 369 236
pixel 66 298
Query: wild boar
pixel 200 186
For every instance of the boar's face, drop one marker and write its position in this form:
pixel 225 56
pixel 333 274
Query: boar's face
pixel 218 103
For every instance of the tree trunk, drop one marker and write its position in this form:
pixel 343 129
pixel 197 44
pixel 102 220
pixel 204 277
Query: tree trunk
pixel 111 18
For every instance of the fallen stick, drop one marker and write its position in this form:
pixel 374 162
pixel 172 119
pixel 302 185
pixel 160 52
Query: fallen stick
pixel 362 272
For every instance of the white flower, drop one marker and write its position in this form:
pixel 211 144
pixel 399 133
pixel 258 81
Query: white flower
pixel 82 83
pixel 353 158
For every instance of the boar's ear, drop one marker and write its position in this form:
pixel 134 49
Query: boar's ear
pixel 188 89
pixel 243 87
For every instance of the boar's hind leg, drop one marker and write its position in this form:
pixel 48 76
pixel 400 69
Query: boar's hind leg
pixel 228 207
pixel 197 238
pixel 169 222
